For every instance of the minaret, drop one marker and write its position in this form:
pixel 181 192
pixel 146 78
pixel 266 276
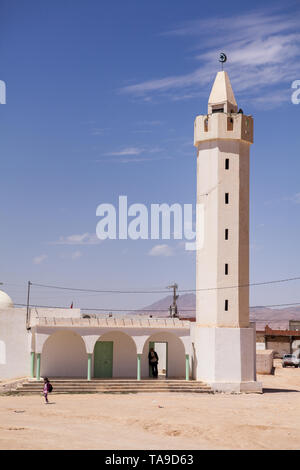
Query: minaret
pixel 224 340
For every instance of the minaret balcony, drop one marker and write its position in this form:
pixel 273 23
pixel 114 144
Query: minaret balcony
pixel 233 126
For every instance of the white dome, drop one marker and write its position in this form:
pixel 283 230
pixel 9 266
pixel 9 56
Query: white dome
pixel 5 300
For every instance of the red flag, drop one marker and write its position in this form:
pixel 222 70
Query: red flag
pixel 71 305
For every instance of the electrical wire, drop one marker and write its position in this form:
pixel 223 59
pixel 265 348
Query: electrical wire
pixel 152 310
pixel 164 291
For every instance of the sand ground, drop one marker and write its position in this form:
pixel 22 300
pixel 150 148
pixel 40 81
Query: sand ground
pixel 157 421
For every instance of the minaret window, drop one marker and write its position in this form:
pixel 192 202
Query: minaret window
pixel 226 305
pixel 226 269
pixel 227 164
pixel 226 233
pixel 229 124
pixel 226 198
pixel 217 110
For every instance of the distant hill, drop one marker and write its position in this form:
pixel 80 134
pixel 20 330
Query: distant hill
pixel 186 305
pixel 274 317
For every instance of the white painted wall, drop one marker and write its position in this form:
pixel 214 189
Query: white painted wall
pixel 296 346
pixel 14 344
pixel 226 356
pixel 264 361
pixel 64 350
pixel 90 334
pixel 64 355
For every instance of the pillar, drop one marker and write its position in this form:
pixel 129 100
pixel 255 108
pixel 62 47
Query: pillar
pixel 187 367
pixel 89 371
pixel 32 365
pixel 38 366
pixel 139 366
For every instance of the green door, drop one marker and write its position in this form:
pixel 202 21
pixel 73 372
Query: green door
pixel 103 359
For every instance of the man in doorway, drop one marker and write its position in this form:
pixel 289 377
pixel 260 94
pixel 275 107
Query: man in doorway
pixel 153 361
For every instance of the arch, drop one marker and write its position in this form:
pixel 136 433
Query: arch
pixel 176 354
pixel 64 355
pixel 124 353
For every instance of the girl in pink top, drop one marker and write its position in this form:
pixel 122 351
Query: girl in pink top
pixel 46 389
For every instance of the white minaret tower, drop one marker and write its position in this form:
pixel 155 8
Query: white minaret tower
pixel 224 341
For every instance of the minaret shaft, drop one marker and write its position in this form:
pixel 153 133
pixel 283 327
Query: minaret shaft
pixel 223 259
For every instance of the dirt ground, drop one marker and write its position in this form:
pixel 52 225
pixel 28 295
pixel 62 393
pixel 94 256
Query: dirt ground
pixel 157 421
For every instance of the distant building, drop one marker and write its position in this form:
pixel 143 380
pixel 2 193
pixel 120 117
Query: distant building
pixel 282 341
pixel 294 325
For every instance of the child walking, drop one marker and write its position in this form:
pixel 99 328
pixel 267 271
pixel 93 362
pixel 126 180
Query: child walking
pixel 47 389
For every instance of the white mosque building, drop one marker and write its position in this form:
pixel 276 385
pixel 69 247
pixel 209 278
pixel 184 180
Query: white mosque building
pixel 60 343
pixel 219 348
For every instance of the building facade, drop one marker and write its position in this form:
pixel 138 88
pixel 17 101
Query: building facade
pixel 60 343
pixel 219 348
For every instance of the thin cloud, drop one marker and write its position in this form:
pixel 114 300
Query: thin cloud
pixel 134 151
pixel 161 250
pixel 78 239
pixel 263 49
pixel 126 151
pixel 99 131
pixel 39 259
pixel 150 123
pixel 295 198
pixel 134 155
pixel 133 159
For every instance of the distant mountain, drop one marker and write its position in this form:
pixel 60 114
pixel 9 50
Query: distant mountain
pixel 275 318
pixel 186 305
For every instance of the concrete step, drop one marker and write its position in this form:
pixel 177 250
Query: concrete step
pixel 119 390
pixel 96 381
pixel 40 386
pixel 74 389
pixel 136 384
pixel 115 386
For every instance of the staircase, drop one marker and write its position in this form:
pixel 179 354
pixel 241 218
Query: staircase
pixel 115 386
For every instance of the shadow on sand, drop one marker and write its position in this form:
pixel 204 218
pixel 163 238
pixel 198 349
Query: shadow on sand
pixel 279 390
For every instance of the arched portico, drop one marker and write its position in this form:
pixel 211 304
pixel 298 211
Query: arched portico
pixel 70 351
pixel 64 355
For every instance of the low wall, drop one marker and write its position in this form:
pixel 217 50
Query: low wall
pixel 264 361
pixel 280 345
pixel 15 343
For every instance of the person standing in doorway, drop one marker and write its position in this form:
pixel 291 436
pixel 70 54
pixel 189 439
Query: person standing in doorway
pixel 153 361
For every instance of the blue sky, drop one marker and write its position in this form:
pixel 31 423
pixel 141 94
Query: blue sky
pixel 101 100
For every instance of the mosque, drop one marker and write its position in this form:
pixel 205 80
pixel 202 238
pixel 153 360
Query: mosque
pixel 219 348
